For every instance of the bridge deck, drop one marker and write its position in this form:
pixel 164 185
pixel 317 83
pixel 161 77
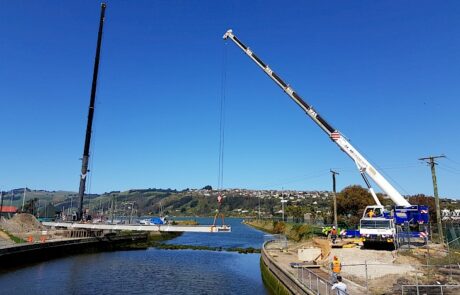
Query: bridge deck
pixel 136 227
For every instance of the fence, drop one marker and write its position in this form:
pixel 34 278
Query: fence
pixel 408 236
pixel 452 233
pixel 407 278
pixel 276 242
pixel 429 289
pixel 316 282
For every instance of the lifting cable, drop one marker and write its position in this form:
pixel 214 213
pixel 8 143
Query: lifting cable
pixel 220 176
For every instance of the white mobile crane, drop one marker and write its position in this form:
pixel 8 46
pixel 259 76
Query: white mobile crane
pixel 376 226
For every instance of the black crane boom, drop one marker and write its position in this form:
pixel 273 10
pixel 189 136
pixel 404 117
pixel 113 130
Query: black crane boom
pixel 85 159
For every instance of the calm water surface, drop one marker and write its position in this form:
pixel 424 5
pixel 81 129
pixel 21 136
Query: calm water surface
pixel 150 271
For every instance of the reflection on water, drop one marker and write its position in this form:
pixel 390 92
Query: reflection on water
pixel 150 271
pixel 241 236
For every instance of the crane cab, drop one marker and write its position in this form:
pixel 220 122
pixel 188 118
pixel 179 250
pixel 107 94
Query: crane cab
pixel 375 211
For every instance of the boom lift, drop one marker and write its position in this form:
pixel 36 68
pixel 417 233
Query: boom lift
pixel 379 225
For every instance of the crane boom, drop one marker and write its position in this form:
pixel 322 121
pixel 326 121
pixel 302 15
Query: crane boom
pixel 363 165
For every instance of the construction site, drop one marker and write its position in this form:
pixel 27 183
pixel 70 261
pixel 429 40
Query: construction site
pixel 422 270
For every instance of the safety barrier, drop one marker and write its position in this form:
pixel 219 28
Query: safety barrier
pixel 315 283
pixel 429 289
pixel 305 281
pixel 292 284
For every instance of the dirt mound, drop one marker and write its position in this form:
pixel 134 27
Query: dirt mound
pixel 325 247
pixel 21 223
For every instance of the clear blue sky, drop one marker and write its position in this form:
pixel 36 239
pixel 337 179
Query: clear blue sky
pixel 385 73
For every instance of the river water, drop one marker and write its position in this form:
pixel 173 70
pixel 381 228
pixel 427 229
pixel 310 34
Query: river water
pixel 150 271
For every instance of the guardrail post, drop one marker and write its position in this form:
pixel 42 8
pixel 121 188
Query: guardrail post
pixel 317 285
pixel 441 290
pixel 301 279
pixel 367 282
pixel 310 280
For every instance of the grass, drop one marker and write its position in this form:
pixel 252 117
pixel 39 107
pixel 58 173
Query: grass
pixel 293 231
pixel 15 239
pixel 249 250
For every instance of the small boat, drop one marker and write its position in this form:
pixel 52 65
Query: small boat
pixel 153 221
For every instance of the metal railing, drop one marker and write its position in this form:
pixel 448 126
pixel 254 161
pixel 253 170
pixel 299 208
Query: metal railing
pixel 417 278
pixel 429 289
pixel 277 241
pixel 316 283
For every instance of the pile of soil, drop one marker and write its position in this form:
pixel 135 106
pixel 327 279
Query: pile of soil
pixel 21 223
pixel 325 248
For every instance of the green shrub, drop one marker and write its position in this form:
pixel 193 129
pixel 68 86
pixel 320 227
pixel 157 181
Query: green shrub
pixel 279 227
pixel 301 232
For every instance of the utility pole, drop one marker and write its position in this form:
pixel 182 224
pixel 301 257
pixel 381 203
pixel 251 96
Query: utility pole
pixel 259 203
pixel 282 205
pixel 334 173
pixel 431 161
pixel 23 200
pixel 113 208
pixel 1 201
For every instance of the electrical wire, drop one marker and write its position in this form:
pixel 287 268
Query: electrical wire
pixel 449 170
pixel 450 159
pixel 296 179
pixel 386 175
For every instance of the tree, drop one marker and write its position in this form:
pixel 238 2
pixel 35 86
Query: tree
pixel 296 212
pixel 351 202
pixel 30 206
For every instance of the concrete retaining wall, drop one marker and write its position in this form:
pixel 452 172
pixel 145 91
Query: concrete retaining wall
pixel 291 283
pixel 23 254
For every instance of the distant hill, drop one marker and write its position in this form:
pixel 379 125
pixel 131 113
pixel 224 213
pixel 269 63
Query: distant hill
pixel 189 202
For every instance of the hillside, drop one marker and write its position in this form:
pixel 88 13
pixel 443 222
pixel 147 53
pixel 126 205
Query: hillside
pixel 189 202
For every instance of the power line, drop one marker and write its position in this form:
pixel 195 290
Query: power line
pixel 453 171
pixel 448 158
pixel 451 168
pixel 296 179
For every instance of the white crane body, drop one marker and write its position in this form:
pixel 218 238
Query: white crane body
pixel 363 165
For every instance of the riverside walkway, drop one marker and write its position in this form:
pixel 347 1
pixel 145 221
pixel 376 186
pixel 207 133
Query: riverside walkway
pixel 313 281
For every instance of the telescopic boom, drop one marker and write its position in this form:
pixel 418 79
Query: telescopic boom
pixel 363 165
pixel 89 125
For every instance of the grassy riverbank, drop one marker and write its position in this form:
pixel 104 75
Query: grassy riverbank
pixel 156 240
pixel 272 282
pixel 5 234
pixel 293 231
pixel 191 247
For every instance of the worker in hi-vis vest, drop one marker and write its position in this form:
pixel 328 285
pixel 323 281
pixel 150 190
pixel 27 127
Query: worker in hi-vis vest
pixel 336 267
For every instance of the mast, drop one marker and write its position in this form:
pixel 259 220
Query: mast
pixel 365 168
pixel 1 201
pixel 85 159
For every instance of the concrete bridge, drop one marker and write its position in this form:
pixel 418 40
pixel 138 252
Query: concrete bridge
pixel 137 227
